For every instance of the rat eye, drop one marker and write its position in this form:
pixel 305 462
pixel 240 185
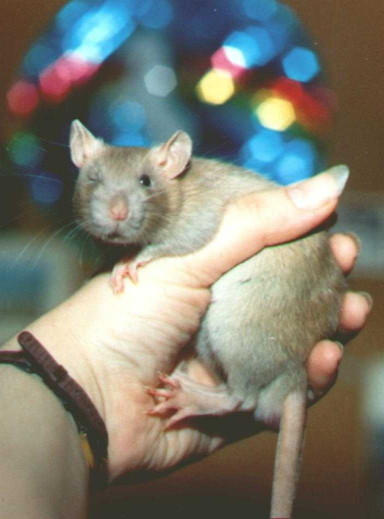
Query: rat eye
pixel 145 181
pixel 93 176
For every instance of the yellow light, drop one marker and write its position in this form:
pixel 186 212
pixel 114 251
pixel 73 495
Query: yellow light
pixel 216 87
pixel 276 114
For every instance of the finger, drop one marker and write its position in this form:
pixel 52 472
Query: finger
pixel 354 311
pixel 322 367
pixel 270 217
pixel 346 248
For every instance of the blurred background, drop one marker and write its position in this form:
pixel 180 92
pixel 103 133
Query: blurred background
pixel 284 88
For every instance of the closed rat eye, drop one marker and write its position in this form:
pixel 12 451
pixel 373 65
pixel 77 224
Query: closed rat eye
pixel 93 176
pixel 145 180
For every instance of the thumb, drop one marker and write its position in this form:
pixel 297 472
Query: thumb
pixel 268 218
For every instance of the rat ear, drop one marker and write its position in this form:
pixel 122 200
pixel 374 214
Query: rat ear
pixel 83 144
pixel 174 155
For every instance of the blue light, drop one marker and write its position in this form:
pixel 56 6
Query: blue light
pixel 301 64
pixel 282 27
pixel 297 162
pixel 126 113
pixel 158 15
pixel 70 13
pixel 260 10
pixel 254 44
pixel 46 188
pixel 99 32
pixel 141 8
pixel 266 146
pixel 38 58
pixel 130 137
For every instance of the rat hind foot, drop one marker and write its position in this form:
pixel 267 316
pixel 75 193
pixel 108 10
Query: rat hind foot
pixel 186 398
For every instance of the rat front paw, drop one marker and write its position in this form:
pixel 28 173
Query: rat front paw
pixel 124 269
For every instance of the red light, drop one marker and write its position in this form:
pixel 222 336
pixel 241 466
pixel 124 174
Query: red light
pixel 55 83
pixel 311 110
pixel 57 80
pixel 79 70
pixel 220 61
pixel 22 98
pixel 289 89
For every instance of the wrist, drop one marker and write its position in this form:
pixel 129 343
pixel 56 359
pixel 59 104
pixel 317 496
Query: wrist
pixel 101 341
pixel 43 471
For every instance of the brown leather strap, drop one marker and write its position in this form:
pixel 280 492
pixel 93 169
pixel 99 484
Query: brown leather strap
pixel 35 359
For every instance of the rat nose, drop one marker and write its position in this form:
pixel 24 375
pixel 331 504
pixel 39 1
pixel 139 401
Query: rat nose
pixel 118 208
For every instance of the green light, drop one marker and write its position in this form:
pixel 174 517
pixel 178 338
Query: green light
pixel 24 149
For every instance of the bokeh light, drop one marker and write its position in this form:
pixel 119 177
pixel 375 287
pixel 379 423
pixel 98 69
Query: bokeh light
pixel 242 78
pixel 216 87
pixel 276 114
pixel 230 60
pixel 260 10
pixel 157 14
pixel 25 150
pixel 249 48
pixel 297 162
pixel 46 188
pixel 301 64
pixel 160 80
pixel 23 98
pixel 265 147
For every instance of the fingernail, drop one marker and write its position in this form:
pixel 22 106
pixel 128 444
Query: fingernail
pixel 368 298
pixel 315 192
pixel 356 240
pixel 341 347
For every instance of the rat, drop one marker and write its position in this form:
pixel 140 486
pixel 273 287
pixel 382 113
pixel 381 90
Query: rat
pixel 267 312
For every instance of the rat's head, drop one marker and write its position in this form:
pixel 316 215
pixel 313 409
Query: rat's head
pixel 123 195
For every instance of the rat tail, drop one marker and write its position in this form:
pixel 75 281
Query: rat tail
pixel 288 454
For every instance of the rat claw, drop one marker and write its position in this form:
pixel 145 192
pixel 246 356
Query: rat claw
pixel 121 271
pixel 169 381
pixel 117 279
pixel 131 272
pixel 161 392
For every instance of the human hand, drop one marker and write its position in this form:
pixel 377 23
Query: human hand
pixel 115 345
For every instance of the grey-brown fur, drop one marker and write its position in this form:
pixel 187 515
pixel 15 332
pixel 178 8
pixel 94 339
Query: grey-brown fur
pixel 267 313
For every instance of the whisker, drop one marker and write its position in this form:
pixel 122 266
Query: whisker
pixel 76 230
pixel 48 241
pixel 27 246
pixel 88 238
pixel 61 144
pixel 29 175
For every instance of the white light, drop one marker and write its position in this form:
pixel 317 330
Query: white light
pixel 160 80
pixel 235 56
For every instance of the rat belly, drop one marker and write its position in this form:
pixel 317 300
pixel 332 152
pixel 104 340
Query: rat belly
pixel 266 315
